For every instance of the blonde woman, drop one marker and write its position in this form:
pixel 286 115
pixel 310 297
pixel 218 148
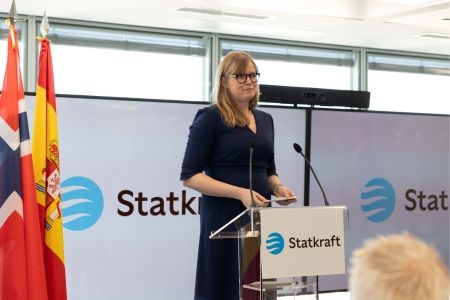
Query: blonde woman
pixel 216 164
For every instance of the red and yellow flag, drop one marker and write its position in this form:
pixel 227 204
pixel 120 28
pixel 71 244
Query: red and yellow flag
pixel 47 176
pixel 22 274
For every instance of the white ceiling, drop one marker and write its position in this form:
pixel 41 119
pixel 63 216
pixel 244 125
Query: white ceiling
pixel 381 24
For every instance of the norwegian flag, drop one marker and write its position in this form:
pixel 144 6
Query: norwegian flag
pixel 22 273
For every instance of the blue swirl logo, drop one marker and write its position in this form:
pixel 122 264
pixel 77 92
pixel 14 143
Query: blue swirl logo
pixel 378 200
pixel 82 203
pixel 275 243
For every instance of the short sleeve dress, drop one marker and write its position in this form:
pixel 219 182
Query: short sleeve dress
pixel 223 153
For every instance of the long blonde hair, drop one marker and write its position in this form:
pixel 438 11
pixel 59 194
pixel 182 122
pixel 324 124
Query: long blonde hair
pixel 234 62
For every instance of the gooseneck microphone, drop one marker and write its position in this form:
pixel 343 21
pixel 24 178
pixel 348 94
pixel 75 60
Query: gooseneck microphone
pixel 299 150
pixel 250 172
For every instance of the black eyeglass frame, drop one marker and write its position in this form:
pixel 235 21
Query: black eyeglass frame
pixel 242 78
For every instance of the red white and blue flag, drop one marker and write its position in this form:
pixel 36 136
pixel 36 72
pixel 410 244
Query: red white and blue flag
pixel 22 272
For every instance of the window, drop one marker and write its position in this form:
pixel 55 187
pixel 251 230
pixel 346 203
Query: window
pixel 132 64
pixel 22 35
pixel 408 84
pixel 301 66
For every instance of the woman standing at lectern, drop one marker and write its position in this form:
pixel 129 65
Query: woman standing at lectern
pixel 216 164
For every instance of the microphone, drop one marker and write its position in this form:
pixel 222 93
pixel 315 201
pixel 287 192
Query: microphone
pixel 299 150
pixel 250 172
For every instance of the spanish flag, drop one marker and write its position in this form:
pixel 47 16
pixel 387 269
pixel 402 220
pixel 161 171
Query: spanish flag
pixel 22 273
pixel 47 176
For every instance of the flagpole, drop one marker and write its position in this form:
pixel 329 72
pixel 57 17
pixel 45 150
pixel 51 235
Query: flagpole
pixel 12 23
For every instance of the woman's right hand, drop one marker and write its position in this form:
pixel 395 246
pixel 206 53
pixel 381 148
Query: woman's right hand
pixel 246 199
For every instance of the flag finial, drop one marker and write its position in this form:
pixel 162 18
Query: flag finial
pixel 45 26
pixel 13 13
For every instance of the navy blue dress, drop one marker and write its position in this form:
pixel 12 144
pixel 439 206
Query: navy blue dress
pixel 222 153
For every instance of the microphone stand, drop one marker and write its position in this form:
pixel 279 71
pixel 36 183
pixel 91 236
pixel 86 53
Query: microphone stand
pixel 299 150
pixel 250 177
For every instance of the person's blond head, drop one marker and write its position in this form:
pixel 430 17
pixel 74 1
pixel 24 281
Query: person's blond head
pixel 398 267
pixel 234 62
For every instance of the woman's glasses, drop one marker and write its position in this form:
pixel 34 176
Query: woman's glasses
pixel 242 78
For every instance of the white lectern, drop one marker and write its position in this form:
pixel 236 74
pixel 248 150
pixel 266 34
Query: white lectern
pixel 286 246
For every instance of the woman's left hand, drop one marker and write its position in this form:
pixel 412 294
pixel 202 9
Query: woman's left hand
pixel 284 191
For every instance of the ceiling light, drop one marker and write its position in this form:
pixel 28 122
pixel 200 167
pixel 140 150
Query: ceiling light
pixel 416 2
pixel 219 12
pixel 434 35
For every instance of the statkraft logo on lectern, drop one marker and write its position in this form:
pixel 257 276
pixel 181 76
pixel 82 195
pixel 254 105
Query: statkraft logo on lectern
pixel 275 243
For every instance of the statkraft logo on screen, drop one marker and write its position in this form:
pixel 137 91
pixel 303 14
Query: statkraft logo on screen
pixel 378 200
pixel 82 203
